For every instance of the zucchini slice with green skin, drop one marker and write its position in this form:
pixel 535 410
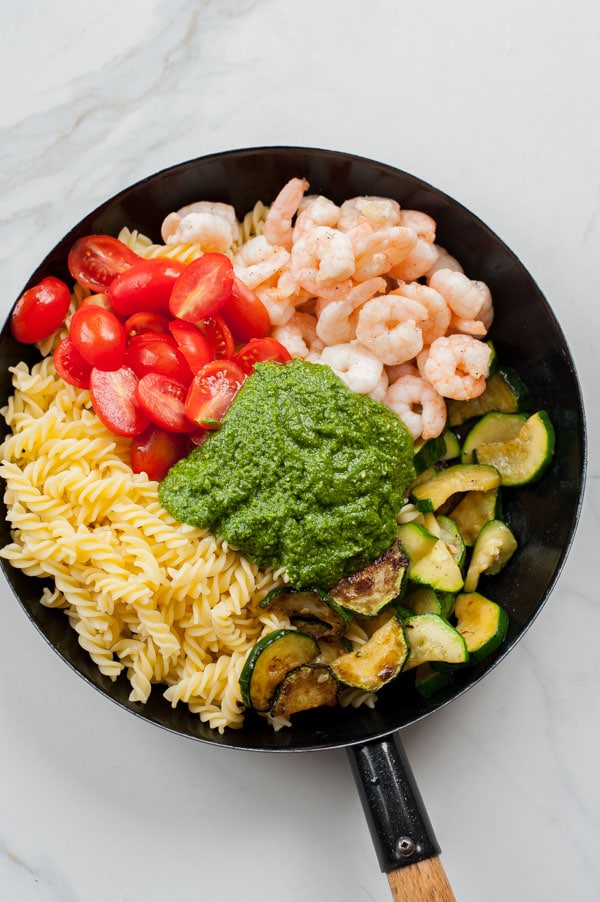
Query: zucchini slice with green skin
pixel 378 661
pixel 269 661
pixel 430 495
pixel 369 590
pixel 424 600
pixel 481 622
pixel 330 649
pixel 504 392
pixel 311 610
pixel 494 547
pixel 307 686
pixel 525 458
pixel 428 680
pixel 430 561
pixel 493 427
pixel 450 535
pixel 473 511
pixel 428 453
pixel 431 638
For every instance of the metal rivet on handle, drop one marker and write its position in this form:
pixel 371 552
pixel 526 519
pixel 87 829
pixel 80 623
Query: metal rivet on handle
pixel 405 846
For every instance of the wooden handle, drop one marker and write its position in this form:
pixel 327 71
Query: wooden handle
pixel 424 881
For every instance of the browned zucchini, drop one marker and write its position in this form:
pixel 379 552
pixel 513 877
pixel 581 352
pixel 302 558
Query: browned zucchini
pixel 311 610
pixel 270 661
pixel 377 662
pixel 307 686
pixel 376 585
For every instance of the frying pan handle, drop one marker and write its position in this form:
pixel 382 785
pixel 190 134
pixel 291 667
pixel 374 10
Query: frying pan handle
pixel 404 840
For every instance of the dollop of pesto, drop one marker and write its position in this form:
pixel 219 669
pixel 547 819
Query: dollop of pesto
pixel 302 474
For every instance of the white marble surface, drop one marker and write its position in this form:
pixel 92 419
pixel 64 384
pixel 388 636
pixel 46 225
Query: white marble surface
pixel 497 104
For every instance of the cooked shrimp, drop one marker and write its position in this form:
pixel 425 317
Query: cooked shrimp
pixel 485 317
pixel 337 319
pixel 257 261
pixel 299 335
pixel 415 264
pixel 213 226
pixel 421 223
pixel 279 307
pixel 314 211
pixel 401 369
pixel 419 406
pixel 444 261
pixel 464 296
pixel 378 251
pixel 322 258
pixel 379 212
pixel 438 312
pixel 356 365
pixel 378 393
pixel 457 366
pixel 278 222
pixel 387 325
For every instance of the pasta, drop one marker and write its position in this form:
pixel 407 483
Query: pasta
pixel 150 598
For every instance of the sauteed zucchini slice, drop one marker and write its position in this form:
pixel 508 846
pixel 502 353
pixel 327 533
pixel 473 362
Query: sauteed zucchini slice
pixel 504 392
pixel 305 687
pixel 431 494
pixel 473 511
pixel 269 661
pixel 494 546
pixel 524 458
pixel 481 622
pixel 444 447
pixel 375 586
pixel 428 680
pixel 431 638
pixel 378 661
pixel 313 611
pixel 431 563
pixel 423 600
pixel 493 427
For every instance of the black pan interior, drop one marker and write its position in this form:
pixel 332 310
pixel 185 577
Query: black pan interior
pixel 526 335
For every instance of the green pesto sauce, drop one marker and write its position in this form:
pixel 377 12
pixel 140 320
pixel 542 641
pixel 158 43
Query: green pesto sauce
pixel 302 474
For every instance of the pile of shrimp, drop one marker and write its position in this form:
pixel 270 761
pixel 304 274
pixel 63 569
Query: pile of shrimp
pixel 364 288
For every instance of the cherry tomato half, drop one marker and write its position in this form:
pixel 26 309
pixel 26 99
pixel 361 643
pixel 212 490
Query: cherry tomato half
pixel 98 300
pixel 245 313
pixel 95 260
pixel 113 397
pixel 70 365
pixel 219 336
pixel 40 310
pixel 156 450
pixel 192 344
pixel 152 352
pixel 164 401
pixel 146 321
pixel 146 285
pixel 203 288
pixel 259 349
pixel 212 390
pixel 98 336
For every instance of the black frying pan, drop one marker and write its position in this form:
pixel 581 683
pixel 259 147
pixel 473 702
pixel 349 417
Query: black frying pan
pixel 543 516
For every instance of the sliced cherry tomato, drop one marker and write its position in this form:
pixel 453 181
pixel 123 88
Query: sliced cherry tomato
pixel 146 321
pixel 212 390
pixel 192 344
pixel 40 310
pixel 156 450
pixel 164 401
pixel 95 260
pixel 70 365
pixel 259 349
pixel 146 285
pixel 245 313
pixel 98 336
pixel 218 333
pixel 203 288
pixel 113 397
pixel 153 352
